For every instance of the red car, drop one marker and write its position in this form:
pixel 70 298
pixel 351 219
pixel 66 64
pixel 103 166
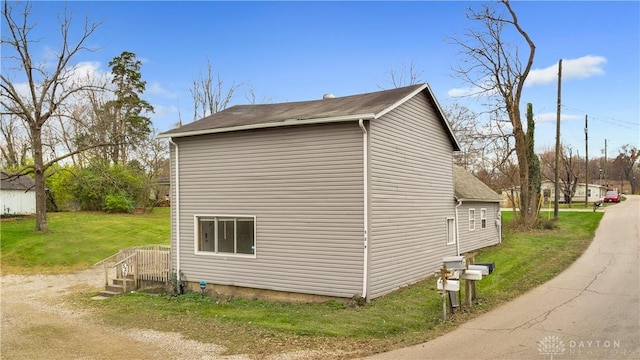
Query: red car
pixel 612 196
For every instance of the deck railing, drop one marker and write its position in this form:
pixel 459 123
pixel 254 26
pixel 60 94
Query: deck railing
pixel 150 263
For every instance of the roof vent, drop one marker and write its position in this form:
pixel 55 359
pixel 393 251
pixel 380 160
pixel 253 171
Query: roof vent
pixel 328 96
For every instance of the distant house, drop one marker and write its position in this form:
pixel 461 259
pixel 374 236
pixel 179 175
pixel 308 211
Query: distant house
pixel 17 194
pixel 339 197
pixel 595 192
pixel 478 212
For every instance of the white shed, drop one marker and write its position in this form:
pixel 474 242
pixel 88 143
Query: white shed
pixel 17 195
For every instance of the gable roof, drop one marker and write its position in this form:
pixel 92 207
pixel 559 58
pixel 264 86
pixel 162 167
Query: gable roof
pixel 469 188
pixel 10 182
pixel 367 106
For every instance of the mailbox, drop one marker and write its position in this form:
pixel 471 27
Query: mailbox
pixel 452 285
pixel 455 262
pixel 490 265
pixel 482 268
pixel 472 275
pixel 454 274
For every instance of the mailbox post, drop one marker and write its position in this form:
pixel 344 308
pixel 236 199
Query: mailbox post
pixel 454 269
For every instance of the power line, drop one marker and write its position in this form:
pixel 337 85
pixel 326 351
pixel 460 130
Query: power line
pixel 606 119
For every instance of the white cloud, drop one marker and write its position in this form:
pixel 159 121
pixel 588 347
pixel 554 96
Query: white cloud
pixel 469 91
pixel 89 70
pixel 551 117
pixel 83 73
pixel 580 68
pixel 156 89
pixel 164 111
pixel 165 117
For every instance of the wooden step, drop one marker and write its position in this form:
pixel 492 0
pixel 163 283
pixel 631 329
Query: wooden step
pixel 107 293
pixel 128 283
pixel 118 287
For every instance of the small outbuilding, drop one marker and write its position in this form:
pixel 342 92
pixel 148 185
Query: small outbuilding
pixel 338 197
pixel 478 212
pixel 17 194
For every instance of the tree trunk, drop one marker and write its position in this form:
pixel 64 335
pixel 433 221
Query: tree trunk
pixel 38 170
pixel 526 199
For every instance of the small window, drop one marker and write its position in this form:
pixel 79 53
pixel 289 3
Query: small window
pixel 451 231
pixel 472 219
pixel 483 218
pixel 226 234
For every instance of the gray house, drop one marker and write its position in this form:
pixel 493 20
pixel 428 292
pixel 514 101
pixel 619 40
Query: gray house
pixel 339 197
pixel 477 212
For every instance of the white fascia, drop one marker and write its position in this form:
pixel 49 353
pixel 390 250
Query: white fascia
pixel 288 122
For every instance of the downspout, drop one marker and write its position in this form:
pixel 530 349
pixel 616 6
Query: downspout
pixel 499 224
pixel 457 230
pixel 365 172
pixel 177 190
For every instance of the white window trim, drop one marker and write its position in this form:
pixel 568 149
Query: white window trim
pixel 483 218
pixel 196 233
pixel 451 237
pixel 472 219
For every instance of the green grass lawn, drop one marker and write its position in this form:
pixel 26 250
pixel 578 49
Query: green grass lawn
pixel 77 240
pixel 408 316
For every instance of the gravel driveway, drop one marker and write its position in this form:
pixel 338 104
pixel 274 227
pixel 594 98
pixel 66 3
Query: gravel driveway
pixel 37 324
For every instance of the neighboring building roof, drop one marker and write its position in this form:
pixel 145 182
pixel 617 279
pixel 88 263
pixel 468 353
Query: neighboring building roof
pixel 10 182
pixel 470 188
pixel 348 108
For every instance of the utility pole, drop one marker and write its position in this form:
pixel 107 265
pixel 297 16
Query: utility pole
pixel 586 163
pixel 604 173
pixel 557 174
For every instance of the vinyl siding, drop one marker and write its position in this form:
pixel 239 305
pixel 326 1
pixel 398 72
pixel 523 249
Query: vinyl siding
pixel 411 190
pixel 303 184
pixel 471 240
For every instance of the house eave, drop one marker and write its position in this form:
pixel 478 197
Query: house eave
pixel 477 200
pixel 287 122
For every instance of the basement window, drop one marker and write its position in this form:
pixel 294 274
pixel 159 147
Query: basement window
pixel 227 235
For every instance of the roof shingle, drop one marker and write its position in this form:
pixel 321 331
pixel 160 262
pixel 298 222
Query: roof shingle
pixel 10 182
pixel 470 188
pixel 244 115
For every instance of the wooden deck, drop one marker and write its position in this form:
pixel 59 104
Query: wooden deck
pixel 142 263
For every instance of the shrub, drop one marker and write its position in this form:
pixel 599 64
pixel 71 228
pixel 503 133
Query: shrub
pixel 97 187
pixel 118 203
pixel 549 224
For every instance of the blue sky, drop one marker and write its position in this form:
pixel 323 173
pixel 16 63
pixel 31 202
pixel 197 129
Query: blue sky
pixel 293 51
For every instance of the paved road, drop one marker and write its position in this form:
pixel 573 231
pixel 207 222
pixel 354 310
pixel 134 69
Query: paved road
pixel 590 311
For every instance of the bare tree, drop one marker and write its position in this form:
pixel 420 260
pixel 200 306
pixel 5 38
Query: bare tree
pixel 626 161
pixel 476 137
pixel 494 68
pixel 47 90
pixel 571 175
pixel 571 170
pixel 153 154
pixel 15 143
pixel 250 95
pixel 209 94
pixel 404 76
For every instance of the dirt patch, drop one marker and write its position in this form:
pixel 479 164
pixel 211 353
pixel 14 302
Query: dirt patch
pixel 38 324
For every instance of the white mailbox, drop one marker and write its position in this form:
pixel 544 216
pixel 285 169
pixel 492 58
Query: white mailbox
pixel 482 268
pixel 455 262
pixel 472 275
pixel 452 285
